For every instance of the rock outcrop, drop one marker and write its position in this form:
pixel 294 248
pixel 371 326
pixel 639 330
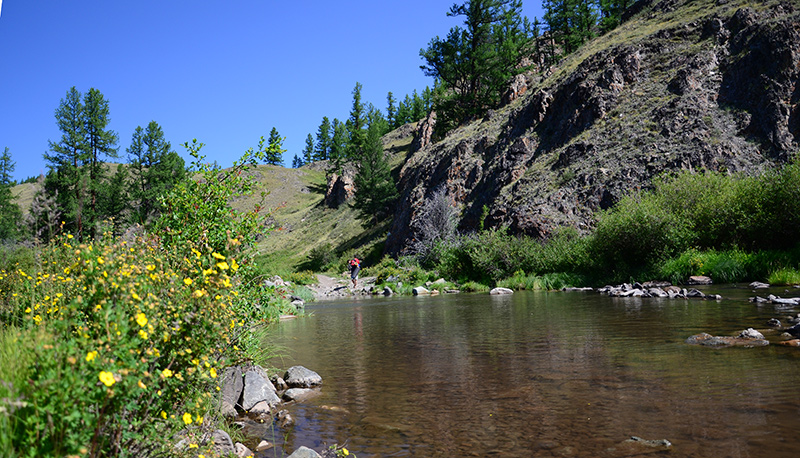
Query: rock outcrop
pixel 717 92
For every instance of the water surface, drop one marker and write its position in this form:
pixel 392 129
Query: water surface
pixel 540 374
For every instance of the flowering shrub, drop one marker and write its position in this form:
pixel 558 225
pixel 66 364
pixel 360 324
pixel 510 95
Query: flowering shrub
pixel 123 334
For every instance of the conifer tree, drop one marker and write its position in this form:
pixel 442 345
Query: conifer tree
pixel 115 201
pixel 273 154
pixel 322 149
pixel 66 178
pixel 10 213
pixel 338 154
pixel 375 188
pixel 308 151
pixel 297 162
pixel 356 123
pixel 154 169
pixel 391 109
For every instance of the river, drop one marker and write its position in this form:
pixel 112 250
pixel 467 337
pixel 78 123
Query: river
pixel 544 374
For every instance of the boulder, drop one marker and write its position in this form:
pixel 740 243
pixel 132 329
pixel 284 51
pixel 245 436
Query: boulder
pixel 261 409
pixel 300 377
pixel 387 291
pixel 223 444
pixel 500 291
pixel 700 280
pixel 232 386
pixel 256 389
pixel 758 285
pixel 278 383
pixel 420 291
pixel 300 394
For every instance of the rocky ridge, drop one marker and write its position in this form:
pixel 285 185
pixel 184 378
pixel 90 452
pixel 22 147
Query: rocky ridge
pixel 679 85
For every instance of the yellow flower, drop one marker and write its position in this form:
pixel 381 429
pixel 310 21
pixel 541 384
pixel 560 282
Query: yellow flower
pixel 218 256
pixel 107 378
pixel 213 373
pixel 91 356
pixel 143 334
pixel 345 452
pixel 222 265
pixel 187 281
pixel 135 296
pixel 163 415
pixel 100 260
pixel 166 373
pixel 234 265
pixel 142 385
pixel 187 418
pixel 69 236
pixel 151 267
pixel 194 446
pixel 141 319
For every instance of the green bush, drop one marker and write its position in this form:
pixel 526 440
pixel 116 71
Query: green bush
pixel 784 276
pixel 304 277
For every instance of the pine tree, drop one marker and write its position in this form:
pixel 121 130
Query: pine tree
pixel 154 168
pixel 273 154
pixel 375 188
pixel 338 154
pixel 297 162
pixel 45 214
pixel 308 151
pixel 611 13
pixel 391 110
pixel 10 213
pixel 322 149
pixel 66 178
pixel 355 126
pixel 100 143
pixel 115 201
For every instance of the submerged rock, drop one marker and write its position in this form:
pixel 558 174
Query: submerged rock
pixel 747 338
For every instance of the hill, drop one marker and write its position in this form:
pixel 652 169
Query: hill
pixel 681 84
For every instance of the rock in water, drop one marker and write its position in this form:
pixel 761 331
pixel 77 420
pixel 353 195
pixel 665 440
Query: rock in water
pixel 300 377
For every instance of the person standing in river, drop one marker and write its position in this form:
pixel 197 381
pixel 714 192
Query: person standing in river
pixel 355 267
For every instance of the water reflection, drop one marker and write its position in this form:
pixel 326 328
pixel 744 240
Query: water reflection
pixel 540 374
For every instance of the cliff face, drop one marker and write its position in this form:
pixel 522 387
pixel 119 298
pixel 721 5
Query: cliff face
pixel 680 85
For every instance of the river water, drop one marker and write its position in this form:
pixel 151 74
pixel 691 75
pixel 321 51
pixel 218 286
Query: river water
pixel 543 374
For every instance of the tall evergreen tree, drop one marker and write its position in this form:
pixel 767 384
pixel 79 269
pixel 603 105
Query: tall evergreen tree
pixel 375 188
pixel 356 124
pixel 297 162
pixel 308 151
pixel 322 149
pixel 100 142
pixel 115 201
pixel 10 213
pixel 338 154
pixel 611 13
pixel 154 168
pixel 67 176
pixel 273 154
pixel 391 109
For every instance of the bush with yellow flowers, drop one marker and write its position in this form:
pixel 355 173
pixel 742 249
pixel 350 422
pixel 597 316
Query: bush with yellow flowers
pixel 123 335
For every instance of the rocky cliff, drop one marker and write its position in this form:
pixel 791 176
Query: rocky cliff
pixel 681 84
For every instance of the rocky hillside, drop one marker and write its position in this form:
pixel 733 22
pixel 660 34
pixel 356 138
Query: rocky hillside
pixel 681 84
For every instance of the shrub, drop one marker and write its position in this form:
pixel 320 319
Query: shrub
pixel 784 276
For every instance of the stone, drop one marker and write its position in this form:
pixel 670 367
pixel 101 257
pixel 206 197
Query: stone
pixel 305 452
pixel 700 280
pixel 242 451
pixel 500 291
pixel 223 444
pixel 256 389
pixel 420 291
pixel 301 377
pixel 750 333
pixel 758 285
pixel 387 291
pixel 232 387
pixel 300 394
pixel 278 383
pixel 774 322
pixel 261 409
pixel 707 340
pixel 284 418
pixel 263 445
pixel 692 292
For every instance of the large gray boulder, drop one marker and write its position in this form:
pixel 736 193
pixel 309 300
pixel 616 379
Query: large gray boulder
pixel 300 377
pixel 501 291
pixel 257 388
pixel 232 386
pixel 223 444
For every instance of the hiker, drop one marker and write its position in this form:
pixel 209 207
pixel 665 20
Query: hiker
pixel 355 266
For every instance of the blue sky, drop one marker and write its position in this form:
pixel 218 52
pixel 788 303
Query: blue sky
pixel 222 72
